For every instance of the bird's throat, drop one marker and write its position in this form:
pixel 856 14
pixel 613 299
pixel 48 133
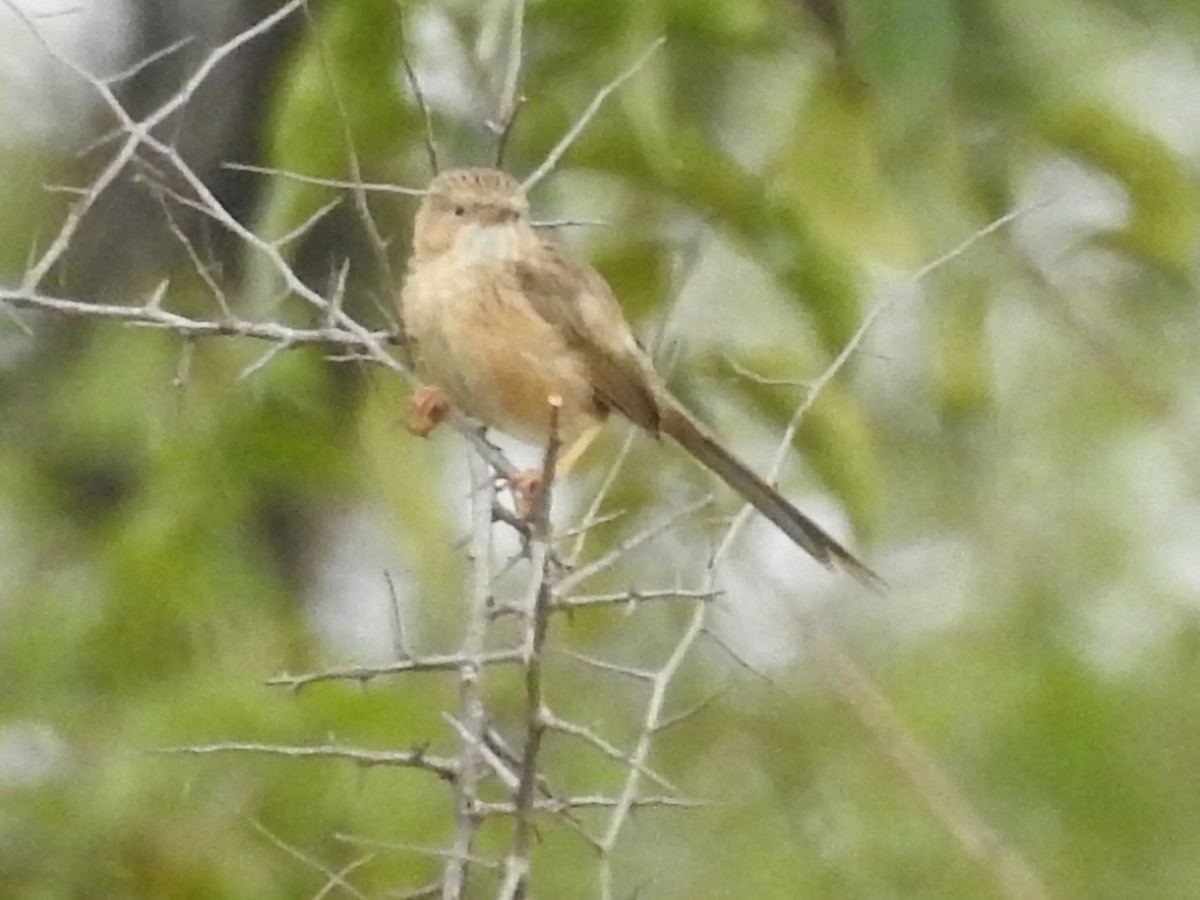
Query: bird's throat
pixel 489 243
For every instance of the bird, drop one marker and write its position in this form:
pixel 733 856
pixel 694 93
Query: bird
pixel 502 321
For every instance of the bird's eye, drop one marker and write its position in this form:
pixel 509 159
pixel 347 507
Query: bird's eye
pixel 460 211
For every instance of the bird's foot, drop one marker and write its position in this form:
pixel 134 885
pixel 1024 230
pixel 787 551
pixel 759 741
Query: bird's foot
pixel 427 409
pixel 527 485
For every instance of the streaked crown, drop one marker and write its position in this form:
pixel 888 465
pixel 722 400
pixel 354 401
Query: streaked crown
pixel 478 189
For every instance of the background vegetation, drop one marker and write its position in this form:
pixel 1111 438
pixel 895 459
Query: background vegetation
pixel 1014 446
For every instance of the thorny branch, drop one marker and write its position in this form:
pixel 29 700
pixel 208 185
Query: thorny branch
pixel 450 662
pixel 445 768
pixel 537 622
pixel 470 676
pixel 151 314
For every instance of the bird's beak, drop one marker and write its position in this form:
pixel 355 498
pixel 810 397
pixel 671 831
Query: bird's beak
pixel 494 215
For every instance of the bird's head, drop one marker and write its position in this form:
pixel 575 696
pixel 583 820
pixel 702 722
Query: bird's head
pixel 471 211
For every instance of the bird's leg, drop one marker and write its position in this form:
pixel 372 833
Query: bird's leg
pixel 427 408
pixel 528 482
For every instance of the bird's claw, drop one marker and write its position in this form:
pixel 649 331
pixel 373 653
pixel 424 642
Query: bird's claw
pixel 527 485
pixel 427 409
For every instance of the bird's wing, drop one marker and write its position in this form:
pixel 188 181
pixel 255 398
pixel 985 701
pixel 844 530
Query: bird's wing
pixel 575 299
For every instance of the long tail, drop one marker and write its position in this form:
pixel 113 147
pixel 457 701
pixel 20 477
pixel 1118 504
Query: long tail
pixel 806 534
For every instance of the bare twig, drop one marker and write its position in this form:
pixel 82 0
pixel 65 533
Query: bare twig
pixel 307 225
pixel 470 674
pixel 333 878
pixel 443 767
pixel 629 598
pixel 570 223
pixel 592 514
pixel 694 710
pixel 147 61
pixel 401 847
pixel 338 878
pixel 499 766
pixel 451 662
pixel 555 155
pixel 152 314
pixel 613 752
pixel 414 83
pixel 634 597
pixel 536 629
pixel 589 801
pixel 264 360
pixel 399 633
pixel 510 98
pixel 609 666
pixel 215 289
pixel 422 893
pixel 758 378
pixel 513 65
pixel 140 134
pixel 583 573
pixel 326 182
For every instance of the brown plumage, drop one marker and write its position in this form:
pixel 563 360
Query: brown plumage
pixel 502 319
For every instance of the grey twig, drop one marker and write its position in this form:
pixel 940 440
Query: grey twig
pixel 583 573
pixel 693 710
pixel 414 84
pixel 416 850
pixel 472 715
pixel 510 97
pixel 147 61
pixel 631 598
pixel 450 662
pixel 613 752
pixel 588 801
pixel 592 515
pixel 339 183
pixel 536 628
pixel 443 767
pixel 152 314
pixel 333 879
pixel 609 666
pixel 499 766
pixel 555 155
pixel 400 645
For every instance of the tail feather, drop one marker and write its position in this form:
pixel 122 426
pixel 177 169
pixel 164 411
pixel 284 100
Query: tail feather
pixel 803 531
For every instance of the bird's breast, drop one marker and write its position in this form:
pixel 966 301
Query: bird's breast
pixel 479 340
